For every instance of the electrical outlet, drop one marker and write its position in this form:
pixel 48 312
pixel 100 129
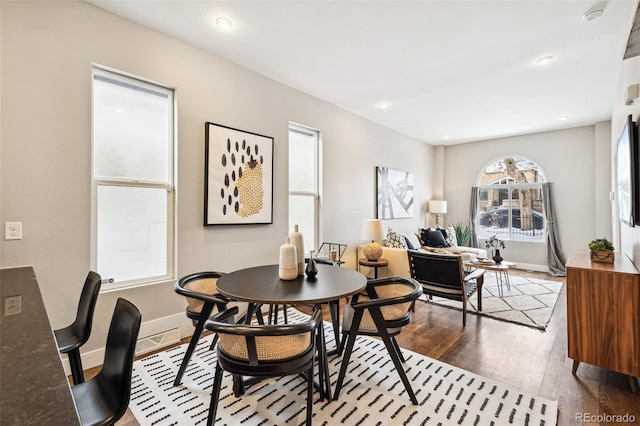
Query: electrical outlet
pixel 12 305
pixel 13 230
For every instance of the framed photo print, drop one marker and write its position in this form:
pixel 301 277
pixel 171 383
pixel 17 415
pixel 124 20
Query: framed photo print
pixel 238 187
pixel 394 193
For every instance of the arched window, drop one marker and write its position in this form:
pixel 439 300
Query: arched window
pixel 510 200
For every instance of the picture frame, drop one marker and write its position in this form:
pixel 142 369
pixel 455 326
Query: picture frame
pixel 394 193
pixel 238 188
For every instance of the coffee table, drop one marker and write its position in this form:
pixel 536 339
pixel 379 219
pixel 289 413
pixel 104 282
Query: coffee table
pixel 500 269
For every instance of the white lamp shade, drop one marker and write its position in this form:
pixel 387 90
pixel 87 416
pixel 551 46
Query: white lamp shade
pixel 372 230
pixel 437 206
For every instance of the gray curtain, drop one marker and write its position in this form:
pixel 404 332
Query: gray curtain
pixel 555 258
pixel 473 213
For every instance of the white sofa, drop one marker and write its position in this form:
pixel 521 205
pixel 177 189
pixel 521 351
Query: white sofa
pixel 399 259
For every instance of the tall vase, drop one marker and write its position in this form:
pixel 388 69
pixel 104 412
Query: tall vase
pixel 288 262
pixel 496 256
pixel 298 241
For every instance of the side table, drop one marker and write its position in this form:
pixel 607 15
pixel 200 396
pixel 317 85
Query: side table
pixel 500 269
pixel 375 264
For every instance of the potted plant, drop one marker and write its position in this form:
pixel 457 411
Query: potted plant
pixel 463 233
pixel 495 244
pixel 602 250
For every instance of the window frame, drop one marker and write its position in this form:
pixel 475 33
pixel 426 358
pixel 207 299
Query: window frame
pixel 510 187
pixel 315 195
pixel 169 186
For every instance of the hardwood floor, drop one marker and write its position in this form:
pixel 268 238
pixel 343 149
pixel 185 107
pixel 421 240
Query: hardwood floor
pixel 522 357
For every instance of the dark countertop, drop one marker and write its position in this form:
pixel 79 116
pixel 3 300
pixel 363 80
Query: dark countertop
pixel 34 389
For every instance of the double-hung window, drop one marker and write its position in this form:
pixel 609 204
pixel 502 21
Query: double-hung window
pixel 510 200
pixel 303 183
pixel 133 195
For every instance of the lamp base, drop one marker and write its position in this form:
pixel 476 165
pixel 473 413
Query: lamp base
pixel 372 251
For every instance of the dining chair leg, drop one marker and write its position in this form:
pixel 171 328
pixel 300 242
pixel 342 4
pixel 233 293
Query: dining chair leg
pixel 395 358
pixel 215 396
pixel 350 340
pixel 325 379
pixel 77 373
pixel 310 394
pixel 397 347
pixel 321 371
pixel 204 315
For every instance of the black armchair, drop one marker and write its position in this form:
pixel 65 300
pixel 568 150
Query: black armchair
pixel 442 275
pixel 384 314
pixel 263 351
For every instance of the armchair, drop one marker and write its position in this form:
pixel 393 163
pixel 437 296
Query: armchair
pixel 443 276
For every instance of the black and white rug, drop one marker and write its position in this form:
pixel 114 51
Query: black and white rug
pixel 527 301
pixel 371 395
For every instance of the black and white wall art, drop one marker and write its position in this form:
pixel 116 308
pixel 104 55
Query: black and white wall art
pixel 238 177
pixel 394 193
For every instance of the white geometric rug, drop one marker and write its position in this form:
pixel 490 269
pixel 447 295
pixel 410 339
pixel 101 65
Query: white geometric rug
pixel 528 301
pixel 372 393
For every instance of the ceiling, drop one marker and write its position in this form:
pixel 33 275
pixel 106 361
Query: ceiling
pixel 449 71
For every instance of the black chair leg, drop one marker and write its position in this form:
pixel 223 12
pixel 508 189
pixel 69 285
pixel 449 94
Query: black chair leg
pixel 398 364
pixel 215 396
pixel 204 315
pixel 397 347
pixel 77 373
pixel 350 340
pixel 334 310
pixel 310 395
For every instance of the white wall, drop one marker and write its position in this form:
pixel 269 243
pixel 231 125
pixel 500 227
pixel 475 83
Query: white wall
pixel 47 52
pixel 568 159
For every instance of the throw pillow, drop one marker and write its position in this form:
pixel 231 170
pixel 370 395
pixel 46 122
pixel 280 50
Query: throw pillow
pixel 413 243
pixel 396 240
pixel 433 238
pixel 451 238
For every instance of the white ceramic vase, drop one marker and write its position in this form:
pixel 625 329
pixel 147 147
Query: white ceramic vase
pixel 298 240
pixel 288 263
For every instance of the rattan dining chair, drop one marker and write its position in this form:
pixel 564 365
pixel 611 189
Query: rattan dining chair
pixel 69 339
pixel 383 312
pixel 263 351
pixel 202 297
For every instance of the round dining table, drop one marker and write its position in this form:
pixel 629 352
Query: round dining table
pixel 261 285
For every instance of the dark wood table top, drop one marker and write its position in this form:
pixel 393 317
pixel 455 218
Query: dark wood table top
pixel 262 284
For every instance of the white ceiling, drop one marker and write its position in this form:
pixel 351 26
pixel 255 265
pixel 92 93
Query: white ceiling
pixel 464 69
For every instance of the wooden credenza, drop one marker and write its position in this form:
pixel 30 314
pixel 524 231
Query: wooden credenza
pixel 603 313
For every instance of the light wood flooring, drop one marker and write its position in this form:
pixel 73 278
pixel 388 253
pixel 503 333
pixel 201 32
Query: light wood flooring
pixel 522 357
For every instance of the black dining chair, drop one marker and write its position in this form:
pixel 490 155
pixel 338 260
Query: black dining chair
pixel 104 399
pixel 72 337
pixel 261 351
pixel 202 296
pixel 383 313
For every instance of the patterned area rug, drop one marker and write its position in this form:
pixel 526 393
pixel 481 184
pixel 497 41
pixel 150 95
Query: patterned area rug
pixel 371 395
pixel 528 301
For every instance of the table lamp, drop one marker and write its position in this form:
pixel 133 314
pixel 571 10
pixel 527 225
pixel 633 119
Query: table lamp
pixel 437 207
pixel 372 230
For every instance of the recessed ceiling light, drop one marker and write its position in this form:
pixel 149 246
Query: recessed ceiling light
pixel 592 15
pixel 445 137
pixel 544 60
pixel 564 117
pixel 383 105
pixel 223 22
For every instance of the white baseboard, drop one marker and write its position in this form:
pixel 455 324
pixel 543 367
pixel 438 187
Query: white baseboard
pixel 149 328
